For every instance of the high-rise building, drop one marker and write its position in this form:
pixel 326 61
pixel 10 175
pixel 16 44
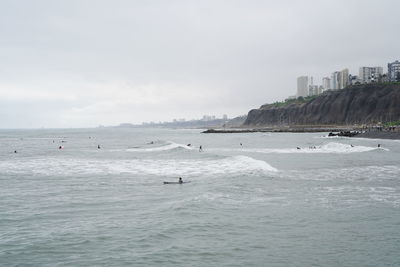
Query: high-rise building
pixel 302 86
pixel 326 83
pixel 344 80
pixel 394 71
pixel 340 79
pixel 335 77
pixel 370 74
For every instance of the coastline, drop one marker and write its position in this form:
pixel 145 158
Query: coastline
pixel 350 132
pixel 281 130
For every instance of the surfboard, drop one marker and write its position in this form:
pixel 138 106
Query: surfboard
pixel 176 182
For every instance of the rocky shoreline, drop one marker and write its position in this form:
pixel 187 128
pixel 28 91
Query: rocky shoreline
pixel 281 130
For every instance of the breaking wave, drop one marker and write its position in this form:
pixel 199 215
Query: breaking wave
pixel 332 147
pixel 165 147
pixel 65 167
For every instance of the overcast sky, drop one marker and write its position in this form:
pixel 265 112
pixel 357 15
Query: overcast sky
pixel 84 63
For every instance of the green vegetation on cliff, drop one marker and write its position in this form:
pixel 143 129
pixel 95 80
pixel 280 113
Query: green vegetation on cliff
pixel 289 101
pixel 392 123
pixel 302 100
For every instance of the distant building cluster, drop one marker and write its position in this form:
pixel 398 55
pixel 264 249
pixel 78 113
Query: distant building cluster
pixel 341 79
pixel 207 120
pixel 213 118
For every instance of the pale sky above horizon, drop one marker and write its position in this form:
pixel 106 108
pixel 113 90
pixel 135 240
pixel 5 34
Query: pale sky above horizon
pixel 84 63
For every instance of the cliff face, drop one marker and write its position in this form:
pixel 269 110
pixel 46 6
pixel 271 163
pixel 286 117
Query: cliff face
pixel 360 104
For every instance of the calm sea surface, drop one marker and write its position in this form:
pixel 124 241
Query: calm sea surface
pixel 262 203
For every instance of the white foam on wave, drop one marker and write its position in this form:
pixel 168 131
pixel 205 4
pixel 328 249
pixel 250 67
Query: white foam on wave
pixel 331 147
pixel 357 138
pixel 168 146
pixel 342 148
pixel 331 137
pixel 160 167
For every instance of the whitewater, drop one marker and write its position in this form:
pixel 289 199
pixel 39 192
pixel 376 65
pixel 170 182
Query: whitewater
pixel 254 199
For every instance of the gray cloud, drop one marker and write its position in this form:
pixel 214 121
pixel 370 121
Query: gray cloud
pixel 84 63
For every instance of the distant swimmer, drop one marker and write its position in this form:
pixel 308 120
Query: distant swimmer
pixel 379 145
pixel 241 144
pixel 298 147
pixel 180 180
pixel 351 145
pixel 60 147
pixel 189 144
pixel 200 148
pixel 98 147
pixel 15 151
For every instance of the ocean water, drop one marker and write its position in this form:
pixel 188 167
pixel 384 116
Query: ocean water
pixel 333 202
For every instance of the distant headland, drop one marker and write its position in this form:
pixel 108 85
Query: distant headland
pixel 363 110
pixel 365 104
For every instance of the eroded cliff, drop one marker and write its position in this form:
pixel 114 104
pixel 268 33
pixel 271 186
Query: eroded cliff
pixel 361 104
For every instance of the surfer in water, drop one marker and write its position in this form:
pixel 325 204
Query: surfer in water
pixel 200 148
pixel 98 147
pixel 180 180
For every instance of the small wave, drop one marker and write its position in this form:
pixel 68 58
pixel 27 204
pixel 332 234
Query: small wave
pixel 244 162
pixel 343 148
pixel 332 147
pixel 357 138
pixel 168 146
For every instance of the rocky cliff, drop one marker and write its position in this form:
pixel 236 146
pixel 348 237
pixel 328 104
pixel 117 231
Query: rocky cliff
pixel 361 104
